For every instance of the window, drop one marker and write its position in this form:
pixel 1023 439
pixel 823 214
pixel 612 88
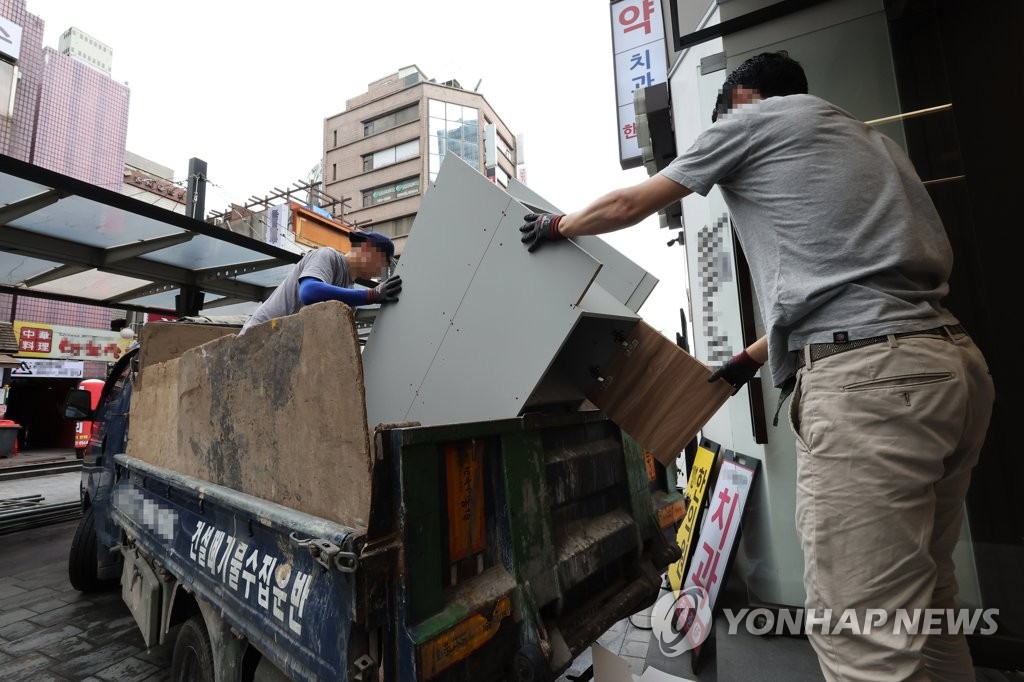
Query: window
pixel 335 138
pixel 8 84
pixel 334 171
pixel 392 120
pixel 453 128
pixel 504 147
pixel 392 155
pixel 390 192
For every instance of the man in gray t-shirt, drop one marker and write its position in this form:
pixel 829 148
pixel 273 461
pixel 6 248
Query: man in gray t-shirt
pixel 326 274
pixel 891 398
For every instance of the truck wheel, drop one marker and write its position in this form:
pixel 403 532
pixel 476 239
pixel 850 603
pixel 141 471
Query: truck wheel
pixel 82 559
pixel 531 665
pixel 192 660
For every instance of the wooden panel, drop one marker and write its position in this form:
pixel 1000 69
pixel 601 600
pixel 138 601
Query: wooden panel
pixel 162 341
pixel 658 393
pixel 277 413
pixel 153 435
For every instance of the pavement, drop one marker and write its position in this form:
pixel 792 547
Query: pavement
pixel 51 632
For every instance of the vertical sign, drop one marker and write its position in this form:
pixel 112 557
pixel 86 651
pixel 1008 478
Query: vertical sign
pixel 638 43
pixel 713 555
pixel 696 485
pixel 465 477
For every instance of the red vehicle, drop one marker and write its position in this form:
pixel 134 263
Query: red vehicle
pixel 84 429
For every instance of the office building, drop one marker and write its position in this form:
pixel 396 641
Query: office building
pixel 384 150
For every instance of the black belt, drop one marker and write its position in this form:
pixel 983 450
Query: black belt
pixel 820 351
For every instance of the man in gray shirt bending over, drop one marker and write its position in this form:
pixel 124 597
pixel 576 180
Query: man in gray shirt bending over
pixel 891 399
pixel 325 274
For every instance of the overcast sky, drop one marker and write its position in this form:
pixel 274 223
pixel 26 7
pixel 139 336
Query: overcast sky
pixel 246 87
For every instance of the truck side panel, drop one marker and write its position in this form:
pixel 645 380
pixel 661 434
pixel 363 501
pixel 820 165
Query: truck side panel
pixel 251 560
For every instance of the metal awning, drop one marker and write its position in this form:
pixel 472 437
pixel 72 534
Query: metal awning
pixel 65 239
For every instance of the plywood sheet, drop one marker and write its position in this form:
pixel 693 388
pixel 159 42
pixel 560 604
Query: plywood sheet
pixel 480 318
pixel 657 393
pixel 162 341
pixel 277 413
pixel 153 415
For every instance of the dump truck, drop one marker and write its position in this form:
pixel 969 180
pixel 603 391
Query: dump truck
pixel 251 516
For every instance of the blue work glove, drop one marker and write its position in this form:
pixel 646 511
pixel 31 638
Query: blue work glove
pixel 740 369
pixel 385 292
pixel 540 227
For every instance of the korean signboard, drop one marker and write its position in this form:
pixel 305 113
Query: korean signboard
pixel 638 42
pixel 400 190
pixel 50 369
pixel 56 342
pixel 696 485
pixel 714 551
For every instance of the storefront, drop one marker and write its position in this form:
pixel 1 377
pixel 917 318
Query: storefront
pixel 54 359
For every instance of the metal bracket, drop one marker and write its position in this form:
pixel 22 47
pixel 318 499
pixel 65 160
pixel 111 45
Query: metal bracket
pixel 366 668
pixel 328 554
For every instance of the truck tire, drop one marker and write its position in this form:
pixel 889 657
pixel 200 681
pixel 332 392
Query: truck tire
pixel 531 665
pixel 192 660
pixel 82 559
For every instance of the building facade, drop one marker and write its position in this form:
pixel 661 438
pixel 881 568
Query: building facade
pixel 81 122
pixel 153 183
pixel 21 69
pixel 384 150
pixel 64 113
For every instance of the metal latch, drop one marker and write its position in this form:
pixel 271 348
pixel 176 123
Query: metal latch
pixel 328 554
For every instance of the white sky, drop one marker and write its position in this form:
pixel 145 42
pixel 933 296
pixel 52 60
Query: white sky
pixel 246 87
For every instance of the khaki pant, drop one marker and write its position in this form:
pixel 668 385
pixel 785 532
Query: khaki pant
pixel 886 439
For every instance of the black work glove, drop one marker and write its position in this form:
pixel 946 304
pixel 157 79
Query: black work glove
pixel 740 369
pixel 385 292
pixel 540 227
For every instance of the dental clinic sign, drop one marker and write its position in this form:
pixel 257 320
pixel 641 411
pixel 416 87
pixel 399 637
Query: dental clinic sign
pixel 638 41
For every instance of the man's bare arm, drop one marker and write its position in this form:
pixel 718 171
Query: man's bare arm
pixel 623 207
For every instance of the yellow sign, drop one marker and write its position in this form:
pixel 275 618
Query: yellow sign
pixel 696 486
pixel 460 641
pixel 38 340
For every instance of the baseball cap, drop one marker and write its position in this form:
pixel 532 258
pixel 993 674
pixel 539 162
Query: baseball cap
pixel 377 239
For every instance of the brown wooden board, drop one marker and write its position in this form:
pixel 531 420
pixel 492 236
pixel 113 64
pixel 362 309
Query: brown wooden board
pixel 163 341
pixel 278 413
pixel 657 393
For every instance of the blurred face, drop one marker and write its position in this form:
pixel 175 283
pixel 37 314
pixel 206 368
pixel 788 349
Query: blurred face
pixel 366 261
